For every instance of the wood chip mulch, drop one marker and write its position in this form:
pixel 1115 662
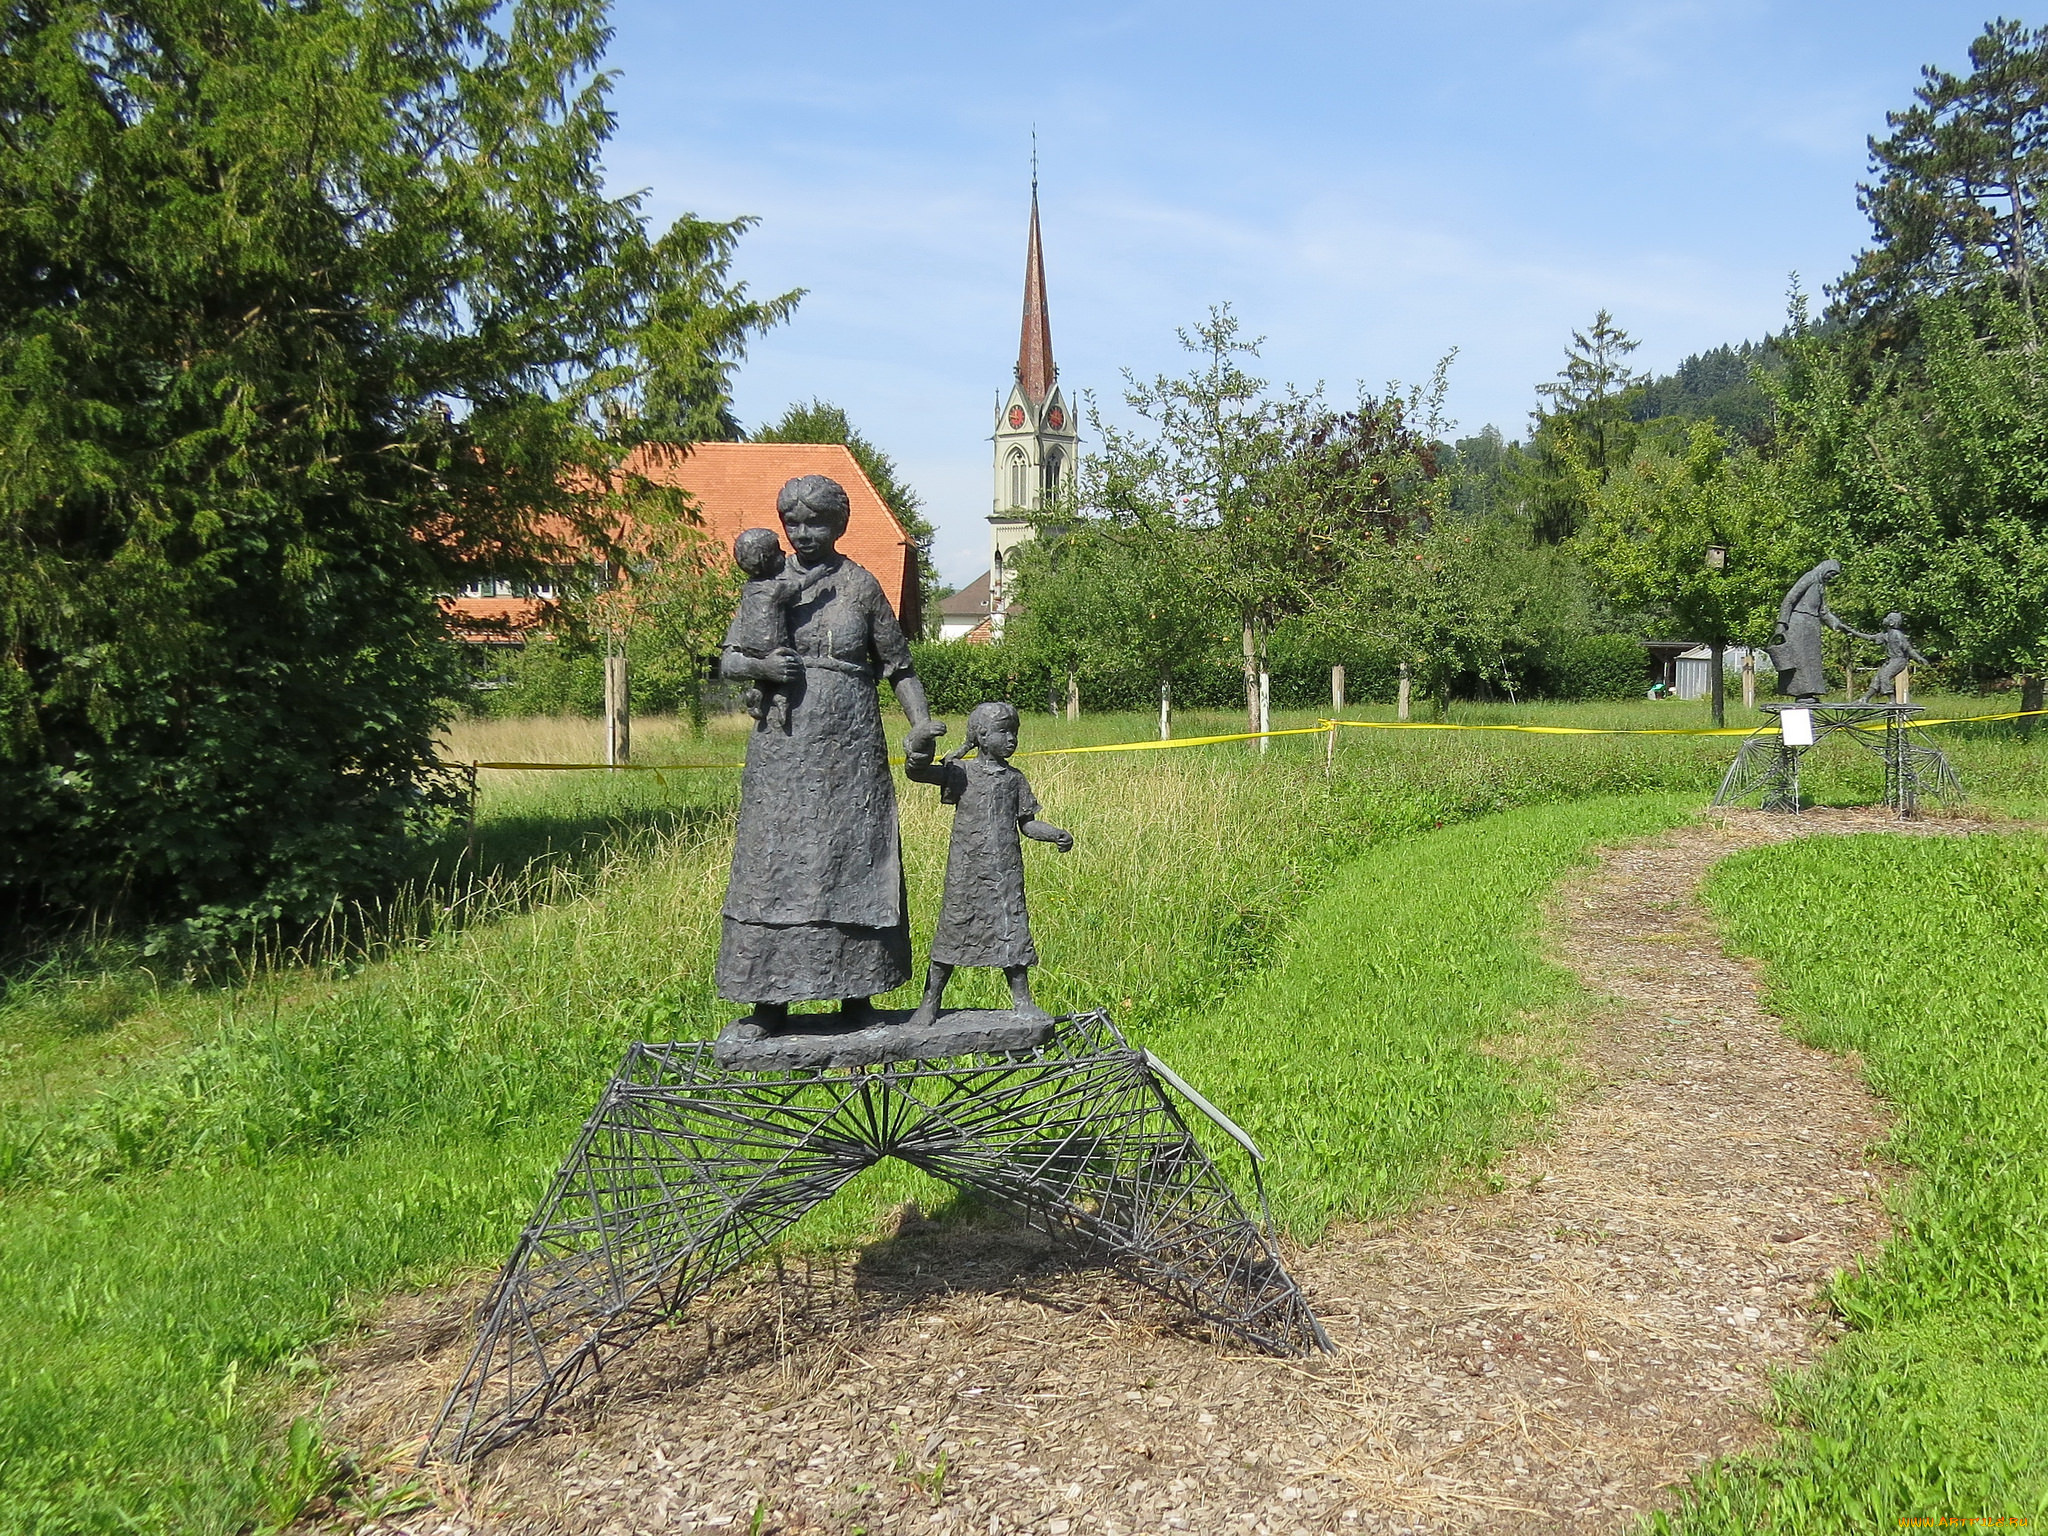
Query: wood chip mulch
pixel 1553 1347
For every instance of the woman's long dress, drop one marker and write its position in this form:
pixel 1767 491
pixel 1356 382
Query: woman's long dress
pixel 815 905
pixel 1797 657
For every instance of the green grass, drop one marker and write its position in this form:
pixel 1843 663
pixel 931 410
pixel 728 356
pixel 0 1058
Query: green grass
pixel 1924 956
pixel 201 1184
pixel 1353 1060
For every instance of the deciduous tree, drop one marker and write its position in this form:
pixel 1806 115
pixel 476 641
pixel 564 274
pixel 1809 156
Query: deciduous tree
pixel 1089 597
pixel 1929 477
pixel 1261 499
pixel 1648 529
pixel 1465 597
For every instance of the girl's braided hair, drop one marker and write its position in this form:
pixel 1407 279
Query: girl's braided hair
pixel 981 718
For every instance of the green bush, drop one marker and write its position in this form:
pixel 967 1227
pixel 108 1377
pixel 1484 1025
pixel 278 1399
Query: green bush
pixel 1301 676
pixel 552 675
pixel 957 677
pixel 1595 667
pixel 542 677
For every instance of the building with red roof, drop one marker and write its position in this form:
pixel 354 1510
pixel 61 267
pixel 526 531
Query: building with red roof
pixel 733 487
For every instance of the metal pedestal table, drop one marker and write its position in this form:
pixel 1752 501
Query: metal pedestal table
pixel 1769 761
pixel 686 1170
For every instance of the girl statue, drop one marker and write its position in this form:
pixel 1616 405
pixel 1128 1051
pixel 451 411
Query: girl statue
pixel 814 908
pixel 1795 647
pixel 1899 654
pixel 982 920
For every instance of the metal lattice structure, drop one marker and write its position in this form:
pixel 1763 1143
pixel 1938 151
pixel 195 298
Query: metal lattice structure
pixel 1912 772
pixel 686 1171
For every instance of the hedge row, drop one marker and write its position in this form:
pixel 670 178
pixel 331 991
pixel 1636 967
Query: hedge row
pixel 958 676
pixel 553 677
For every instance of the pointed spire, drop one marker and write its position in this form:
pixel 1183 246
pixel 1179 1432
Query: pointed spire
pixel 1035 369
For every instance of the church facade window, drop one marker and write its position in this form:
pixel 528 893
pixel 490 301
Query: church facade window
pixel 1020 479
pixel 1054 462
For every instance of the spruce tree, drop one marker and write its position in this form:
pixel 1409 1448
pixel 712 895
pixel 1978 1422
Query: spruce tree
pixel 308 308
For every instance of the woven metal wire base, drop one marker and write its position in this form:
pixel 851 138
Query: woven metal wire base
pixel 686 1171
pixel 1912 772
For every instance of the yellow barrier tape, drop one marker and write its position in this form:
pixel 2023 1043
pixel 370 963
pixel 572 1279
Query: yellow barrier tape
pixel 1180 741
pixel 2018 714
pixel 1591 730
pixel 601 767
pixel 1321 727
pixel 1542 730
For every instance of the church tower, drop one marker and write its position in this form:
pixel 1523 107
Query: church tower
pixel 1035 436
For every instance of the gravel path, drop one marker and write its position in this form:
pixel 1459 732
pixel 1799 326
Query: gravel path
pixel 1550 1348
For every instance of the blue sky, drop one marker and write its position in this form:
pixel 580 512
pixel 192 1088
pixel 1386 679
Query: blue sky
pixel 1370 185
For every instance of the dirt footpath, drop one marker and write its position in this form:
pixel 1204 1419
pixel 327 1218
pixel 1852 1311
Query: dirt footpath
pixel 1552 1348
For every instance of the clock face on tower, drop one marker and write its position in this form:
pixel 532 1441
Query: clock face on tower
pixel 1056 418
pixel 1016 416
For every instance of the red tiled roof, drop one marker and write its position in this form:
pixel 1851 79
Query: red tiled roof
pixel 734 486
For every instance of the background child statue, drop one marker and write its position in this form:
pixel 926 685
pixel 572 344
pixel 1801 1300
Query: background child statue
pixel 982 920
pixel 762 625
pixel 1898 655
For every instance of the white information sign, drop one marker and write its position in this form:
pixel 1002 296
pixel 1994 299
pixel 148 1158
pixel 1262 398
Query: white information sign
pixel 1797 726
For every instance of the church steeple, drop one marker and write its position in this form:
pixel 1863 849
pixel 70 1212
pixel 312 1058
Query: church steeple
pixel 1035 371
pixel 1036 445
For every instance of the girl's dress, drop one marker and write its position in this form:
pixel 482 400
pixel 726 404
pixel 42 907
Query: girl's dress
pixel 982 919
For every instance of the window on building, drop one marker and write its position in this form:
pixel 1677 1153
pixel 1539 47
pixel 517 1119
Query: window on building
pixel 497 586
pixel 1054 462
pixel 1020 479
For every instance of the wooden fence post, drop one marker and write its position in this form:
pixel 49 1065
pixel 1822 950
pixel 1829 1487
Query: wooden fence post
pixel 618 716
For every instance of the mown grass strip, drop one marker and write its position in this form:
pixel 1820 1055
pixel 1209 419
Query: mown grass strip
pixel 1352 1060
pixel 1923 956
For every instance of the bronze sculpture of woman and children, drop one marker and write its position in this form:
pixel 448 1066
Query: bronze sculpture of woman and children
pixel 1795 643
pixel 815 907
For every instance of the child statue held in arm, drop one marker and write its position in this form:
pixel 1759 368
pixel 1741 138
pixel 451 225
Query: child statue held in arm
pixel 761 626
pixel 982 919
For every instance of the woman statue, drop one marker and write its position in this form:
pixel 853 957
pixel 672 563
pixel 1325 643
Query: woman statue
pixel 1795 647
pixel 815 908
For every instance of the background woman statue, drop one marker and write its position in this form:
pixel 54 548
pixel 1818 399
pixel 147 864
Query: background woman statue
pixel 814 909
pixel 1795 648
